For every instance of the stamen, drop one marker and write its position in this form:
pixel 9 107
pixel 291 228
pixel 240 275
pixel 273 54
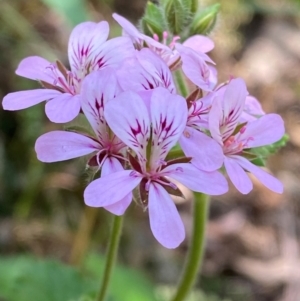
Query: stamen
pixel 134 174
pixel 186 134
pixel 121 158
pixel 165 36
pixel 229 141
pixel 243 129
pixel 172 185
pixel 174 40
pixel 155 37
pixel 98 157
pixel 162 162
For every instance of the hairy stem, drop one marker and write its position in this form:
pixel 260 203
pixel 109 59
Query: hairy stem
pixel 196 250
pixel 111 256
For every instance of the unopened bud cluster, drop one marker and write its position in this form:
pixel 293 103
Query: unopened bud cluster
pixel 178 17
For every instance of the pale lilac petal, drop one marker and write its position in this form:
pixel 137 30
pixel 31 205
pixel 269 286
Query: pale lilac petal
pixel 212 183
pixel 63 108
pixel 263 131
pixel 157 46
pixel 112 53
pixel 169 117
pixel 132 76
pixel 215 119
pixel 157 68
pixel 245 117
pixel 207 154
pixel 36 68
pixel 110 166
pixel 237 175
pixel 61 145
pixel 253 106
pixel 252 110
pixel 190 52
pixel 195 67
pixel 120 207
pixel 146 96
pixel 145 71
pixel 226 109
pixel 129 28
pixel 139 40
pixel 128 117
pixel 97 89
pixel 198 112
pixel 233 105
pixel 199 43
pixel 165 221
pixel 25 99
pixel 213 76
pixel 111 189
pixel 84 42
pixel 265 178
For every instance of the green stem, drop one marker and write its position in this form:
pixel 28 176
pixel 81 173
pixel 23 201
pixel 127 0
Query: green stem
pixel 111 256
pixel 196 250
pixel 181 83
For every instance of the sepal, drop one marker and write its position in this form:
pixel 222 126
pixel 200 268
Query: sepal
pixel 193 5
pixel 177 15
pixel 205 20
pixel 153 21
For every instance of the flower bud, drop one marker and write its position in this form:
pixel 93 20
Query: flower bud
pixel 177 15
pixel 192 4
pixel 205 20
pixel 153 21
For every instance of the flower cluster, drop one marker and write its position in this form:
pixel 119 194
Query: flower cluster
pixel 147 137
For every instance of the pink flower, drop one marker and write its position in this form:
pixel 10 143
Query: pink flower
pixel 235 138
pixel 150 134
pixel 97 89
pixel 88 51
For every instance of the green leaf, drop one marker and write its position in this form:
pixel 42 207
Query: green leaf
pixel 74 11
pixel 25 278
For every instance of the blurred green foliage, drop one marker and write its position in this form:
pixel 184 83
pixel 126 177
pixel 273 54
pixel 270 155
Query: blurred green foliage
pixel 74 10
pixel 25 278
